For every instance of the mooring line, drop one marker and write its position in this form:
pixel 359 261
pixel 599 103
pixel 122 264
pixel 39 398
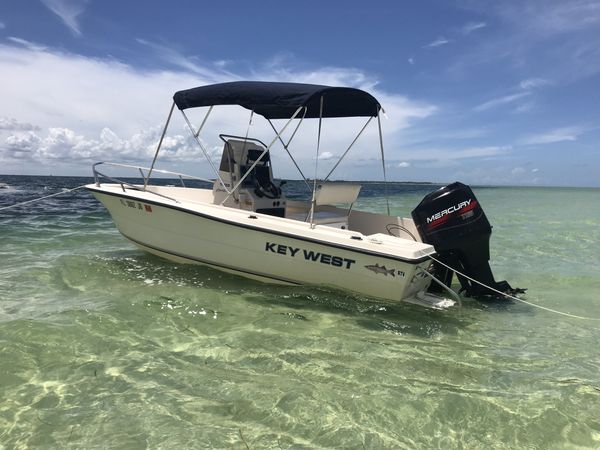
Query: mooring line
pixel 42 198
pixel 512 296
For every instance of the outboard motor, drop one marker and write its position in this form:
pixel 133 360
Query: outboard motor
pixel 452 220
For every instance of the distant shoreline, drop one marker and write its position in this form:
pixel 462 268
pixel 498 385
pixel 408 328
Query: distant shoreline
pixel 364 182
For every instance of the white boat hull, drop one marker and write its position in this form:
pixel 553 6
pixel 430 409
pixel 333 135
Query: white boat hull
pixel 267 248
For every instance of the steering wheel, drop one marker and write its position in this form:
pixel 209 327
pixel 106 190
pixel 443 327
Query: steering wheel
pixel 270 191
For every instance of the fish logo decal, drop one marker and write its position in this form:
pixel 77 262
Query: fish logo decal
pixel 381 269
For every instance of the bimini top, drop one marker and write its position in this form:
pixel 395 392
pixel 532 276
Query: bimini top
pixel 281 100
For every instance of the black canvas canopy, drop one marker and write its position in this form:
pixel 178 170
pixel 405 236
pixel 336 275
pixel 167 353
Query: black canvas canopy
pixel 275 100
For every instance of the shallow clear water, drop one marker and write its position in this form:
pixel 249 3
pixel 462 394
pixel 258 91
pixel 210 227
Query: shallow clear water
pixel 104 346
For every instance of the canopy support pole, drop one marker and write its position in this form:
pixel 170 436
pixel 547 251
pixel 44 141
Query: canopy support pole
pixel 348 149
pixel 197 139
pixel 162 136
pixel 249 171
pixel 314 192
pixel 248 130
pixel 233 193
pixel 387 200
pixel 286 146
pixel 204 121
pixel 249 125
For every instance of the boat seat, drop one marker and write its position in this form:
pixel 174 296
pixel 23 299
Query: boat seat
pixel 330 194
pixel 334 193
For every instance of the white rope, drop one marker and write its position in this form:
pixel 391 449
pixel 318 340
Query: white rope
pixel 42 198
pixel 512 296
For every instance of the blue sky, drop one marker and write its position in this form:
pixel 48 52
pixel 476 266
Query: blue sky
pixel 484 92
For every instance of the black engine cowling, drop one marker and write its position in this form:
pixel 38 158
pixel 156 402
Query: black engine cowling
pixel 452 220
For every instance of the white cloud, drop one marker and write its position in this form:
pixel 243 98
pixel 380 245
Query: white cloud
pixel 27 44
pixel 83 94
pixel 328 75
pixel 326 156
pixel 535 170
pixel 563 134
pixel 517 171
pixel 63 144
pixel 506 99
pixel 403 164
pixel 14 125
pixel 221 63
pixel 22 143
pixel 526 87
pixel 411 61
pixel 473 26
pixel 454 154
pixel 68 11
pixel 548 18
pixel 437 43
pixel 554 37
pixel 2 26
pixel 188 64
pixel 90 108
pixel 402 111
pixel 533 83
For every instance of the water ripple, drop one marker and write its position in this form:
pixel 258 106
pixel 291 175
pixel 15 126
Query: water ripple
pixel 104 346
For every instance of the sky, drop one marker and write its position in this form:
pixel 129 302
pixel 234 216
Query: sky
pixel 483 92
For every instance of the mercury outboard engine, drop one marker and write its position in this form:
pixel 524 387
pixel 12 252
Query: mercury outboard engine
pixel 452 220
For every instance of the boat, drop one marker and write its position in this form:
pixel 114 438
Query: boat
pixel 241 221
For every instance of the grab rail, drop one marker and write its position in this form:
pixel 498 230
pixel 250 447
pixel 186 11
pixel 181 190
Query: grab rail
pixel 98 175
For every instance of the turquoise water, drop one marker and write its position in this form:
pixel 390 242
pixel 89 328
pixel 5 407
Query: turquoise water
pixel 104 346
